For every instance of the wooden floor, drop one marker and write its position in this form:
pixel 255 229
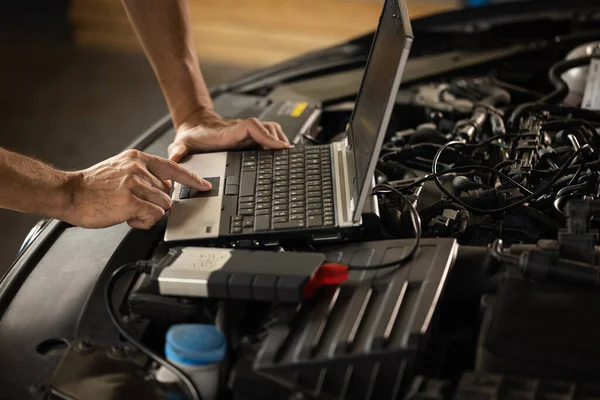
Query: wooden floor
pixel 246 32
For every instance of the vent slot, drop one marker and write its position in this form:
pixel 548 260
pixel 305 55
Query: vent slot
pixel 400 327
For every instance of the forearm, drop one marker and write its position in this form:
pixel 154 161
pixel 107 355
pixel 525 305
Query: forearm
pixel 30 186
pixel 164 30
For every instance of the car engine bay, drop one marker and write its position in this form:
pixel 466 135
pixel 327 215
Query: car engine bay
pixel 488 190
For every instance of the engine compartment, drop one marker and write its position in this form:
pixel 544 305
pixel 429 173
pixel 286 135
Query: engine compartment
pixel 500 160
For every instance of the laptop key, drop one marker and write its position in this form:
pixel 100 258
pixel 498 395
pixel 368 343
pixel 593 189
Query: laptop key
pixel 263 200
pixel 247 183
pixel 280 213
pixel 297 199
pixel 313 194
pixel 280 196
pixel 277 202
pixel 297 193
pixel 231 190
pixel 314 221
pixel 283 189
pixel 236 224
pixel 297 210
pixel 236 218
pixel 248 222
pixel 296 187
pixel 263 193
pixel 277 220
pixel 246 211
pixel 247 199
pixel 314 200
pixel 297 216
pixel 314 212
pixel 262 223
pixel 280 207
pixel 329 222
pixel 263 212
pixel 263 206
pixel 293 224
pixel 236 230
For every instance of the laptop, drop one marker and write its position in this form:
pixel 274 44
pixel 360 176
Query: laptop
pixel 318 192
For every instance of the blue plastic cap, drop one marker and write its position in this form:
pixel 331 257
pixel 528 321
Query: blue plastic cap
pixel 478 3
pixel 195 344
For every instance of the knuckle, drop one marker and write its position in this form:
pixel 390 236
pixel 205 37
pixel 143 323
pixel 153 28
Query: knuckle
pixel 132 153
pixel 253 121
pixel 134 168
pixel 128 180
pixel 156 215
pixel 175 166
pixel 132 180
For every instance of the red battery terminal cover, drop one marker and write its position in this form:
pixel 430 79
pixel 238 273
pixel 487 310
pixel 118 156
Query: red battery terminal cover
pixel 326 275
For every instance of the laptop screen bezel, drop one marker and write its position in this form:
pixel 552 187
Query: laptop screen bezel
pixel 360 191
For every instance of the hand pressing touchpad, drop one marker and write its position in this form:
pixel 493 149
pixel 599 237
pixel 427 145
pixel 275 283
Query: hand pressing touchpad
pixel 187 192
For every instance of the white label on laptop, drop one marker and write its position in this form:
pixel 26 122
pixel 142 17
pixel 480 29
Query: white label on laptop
pixel 591 97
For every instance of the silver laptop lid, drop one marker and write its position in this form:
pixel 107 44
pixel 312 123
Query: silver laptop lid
pixel 376 96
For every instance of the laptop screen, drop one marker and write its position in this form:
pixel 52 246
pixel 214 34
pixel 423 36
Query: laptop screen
pixel 377 94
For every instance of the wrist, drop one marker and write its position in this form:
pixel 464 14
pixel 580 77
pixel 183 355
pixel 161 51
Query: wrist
pixel 63 204
pixel 200 117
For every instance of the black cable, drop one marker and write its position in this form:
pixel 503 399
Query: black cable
pixel 561 89
pixel 491 170
pixel 113 314
pixel 500 166
pixel 448 171
pixel 510 206
pixel 578 172
pixel 416 220
pixel 570 189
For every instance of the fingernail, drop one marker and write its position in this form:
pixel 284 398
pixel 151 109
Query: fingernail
pixel 207 184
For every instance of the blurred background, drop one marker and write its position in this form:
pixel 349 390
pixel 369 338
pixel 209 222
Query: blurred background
pixel 76 88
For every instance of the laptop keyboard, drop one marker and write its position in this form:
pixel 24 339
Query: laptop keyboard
pixel 285 189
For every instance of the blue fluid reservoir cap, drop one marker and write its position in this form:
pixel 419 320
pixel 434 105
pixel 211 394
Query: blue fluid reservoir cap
pixel 477 3
pixel 195 344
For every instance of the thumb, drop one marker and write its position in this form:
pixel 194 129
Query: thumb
pixel 177 151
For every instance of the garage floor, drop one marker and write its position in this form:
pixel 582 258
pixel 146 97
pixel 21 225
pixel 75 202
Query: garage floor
pixel 69 107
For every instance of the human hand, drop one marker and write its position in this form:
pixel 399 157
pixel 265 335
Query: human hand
pixel 131 187
pixel 207 131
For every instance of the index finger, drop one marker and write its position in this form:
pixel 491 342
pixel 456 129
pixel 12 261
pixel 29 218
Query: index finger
pixel 166 169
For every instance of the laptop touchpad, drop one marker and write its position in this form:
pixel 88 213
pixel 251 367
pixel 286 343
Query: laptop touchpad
pixel 187 192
